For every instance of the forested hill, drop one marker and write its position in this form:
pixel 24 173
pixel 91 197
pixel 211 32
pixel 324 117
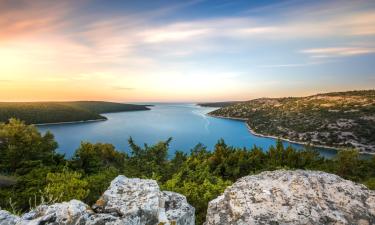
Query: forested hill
pixel 56 112
pixel 218 104
pixel 339 119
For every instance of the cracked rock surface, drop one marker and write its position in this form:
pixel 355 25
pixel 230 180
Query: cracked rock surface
pixel 293 197
pixel 127 201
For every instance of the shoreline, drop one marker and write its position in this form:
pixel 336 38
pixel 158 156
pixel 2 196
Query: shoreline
pixel 69 122
pixel 88 121
pixel 283 139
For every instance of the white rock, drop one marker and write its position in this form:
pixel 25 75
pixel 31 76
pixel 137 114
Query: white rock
pixel 126 202
pixel 293 197
pixel 139 201
pixel 177 209
pixel 65 213
pixel 136 199
pixel 6 218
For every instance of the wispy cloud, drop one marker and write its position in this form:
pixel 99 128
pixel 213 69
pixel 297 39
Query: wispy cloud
pixel 154 50
pixel 25 19
pixel 337 52
pixel 175 32
pixel 120 88
pixel 291 65
pixel 111 39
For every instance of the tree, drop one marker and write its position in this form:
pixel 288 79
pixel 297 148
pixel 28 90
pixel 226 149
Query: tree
pixel 199 186
pixel 23 147
pixel 150 161
pixel 92 158
pixel 347 162
pixel 65 185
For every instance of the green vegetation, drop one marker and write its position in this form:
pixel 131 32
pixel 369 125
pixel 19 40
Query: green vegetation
pixel 65 185
pixel 106 107
pixel 340 119
pixel 218 104
pixel 56 112
pixel 34 173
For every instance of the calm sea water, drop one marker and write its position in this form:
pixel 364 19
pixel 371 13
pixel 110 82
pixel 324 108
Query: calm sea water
pixel 187 124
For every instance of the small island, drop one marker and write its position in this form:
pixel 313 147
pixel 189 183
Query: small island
pixel 336 120
pixel 62 112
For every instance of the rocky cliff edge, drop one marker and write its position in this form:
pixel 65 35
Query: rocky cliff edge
pixel 126 202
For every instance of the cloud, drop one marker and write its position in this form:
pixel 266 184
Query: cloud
pixel 337 52
pixel 120 88
pixel 290 65
pixel 173 33
pixel 111 39
pixel 152 50
pixel 22 18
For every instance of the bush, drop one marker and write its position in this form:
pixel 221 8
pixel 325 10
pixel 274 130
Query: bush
pixel 64 186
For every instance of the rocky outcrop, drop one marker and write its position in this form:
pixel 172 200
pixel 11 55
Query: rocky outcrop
pixel 177 209
pixel 293 197
pixel 141 202
pixel 72 212
pixel 6 218
pixel 134 199
pixel 126 202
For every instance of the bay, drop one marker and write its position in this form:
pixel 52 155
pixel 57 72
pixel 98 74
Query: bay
pixel 187 124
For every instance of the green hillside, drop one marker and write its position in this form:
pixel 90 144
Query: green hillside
pixel 339 119
pixel 106 107
pixel 55 112
pixel 218 104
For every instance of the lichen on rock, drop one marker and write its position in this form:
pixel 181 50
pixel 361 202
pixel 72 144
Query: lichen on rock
pixel 126 202
pixel 293 197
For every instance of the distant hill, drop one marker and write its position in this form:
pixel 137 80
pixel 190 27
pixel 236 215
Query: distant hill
pixel 57 112
pixel 338 119
pixel 218 104
pixel 106 107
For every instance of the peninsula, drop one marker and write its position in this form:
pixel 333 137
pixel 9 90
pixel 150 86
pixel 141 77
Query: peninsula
pixel 338 119
pixel 62 112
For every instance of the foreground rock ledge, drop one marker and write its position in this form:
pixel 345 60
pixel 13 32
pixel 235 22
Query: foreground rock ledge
pixel 126 202
pixel 293 197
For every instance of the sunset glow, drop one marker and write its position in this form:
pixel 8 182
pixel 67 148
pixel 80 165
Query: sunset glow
pixel 146 51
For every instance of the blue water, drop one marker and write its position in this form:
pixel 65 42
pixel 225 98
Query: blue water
pixel 187 124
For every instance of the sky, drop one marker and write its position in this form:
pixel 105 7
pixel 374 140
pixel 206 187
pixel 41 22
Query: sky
pixel 184 51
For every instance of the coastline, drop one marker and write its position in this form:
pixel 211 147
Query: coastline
pixel 70 122
pixel 88 121
pixel 283 139
pixel 227 117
